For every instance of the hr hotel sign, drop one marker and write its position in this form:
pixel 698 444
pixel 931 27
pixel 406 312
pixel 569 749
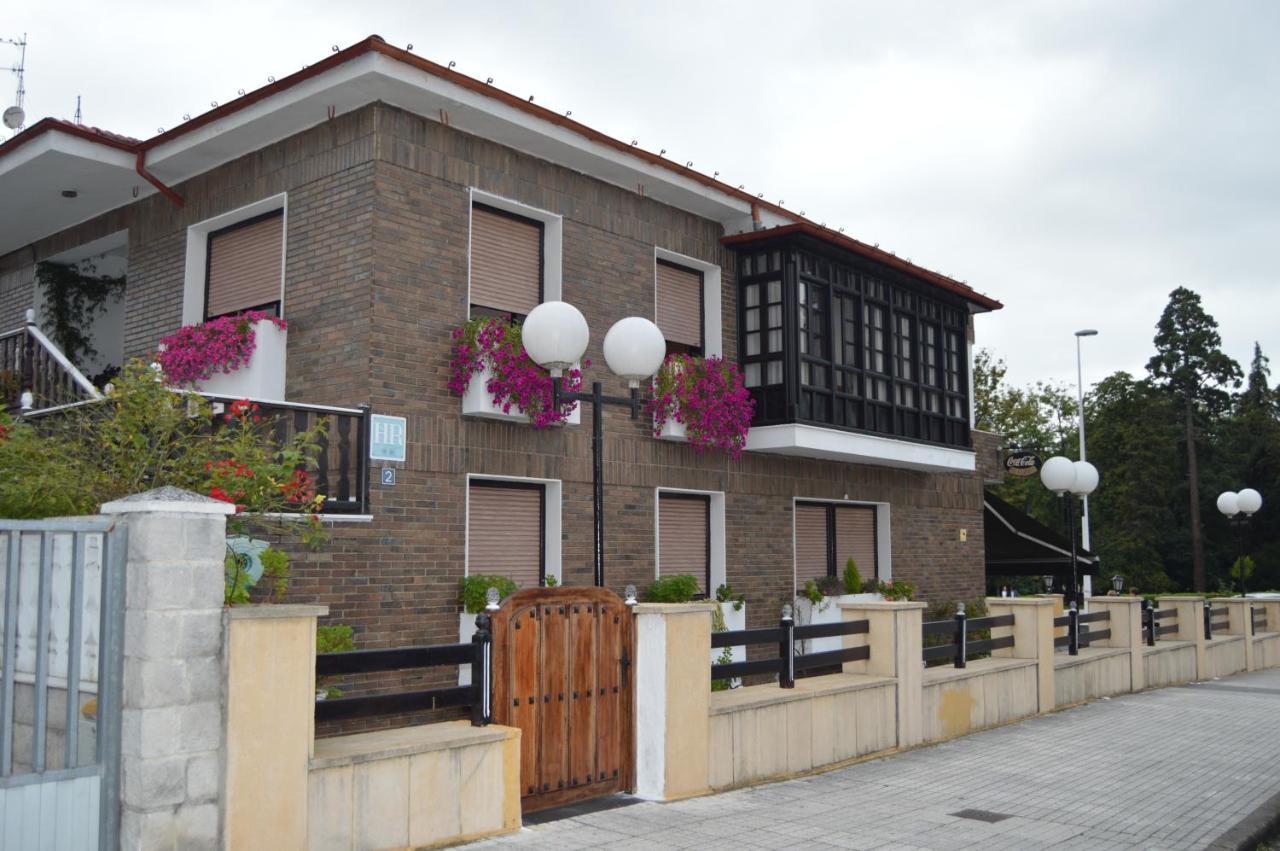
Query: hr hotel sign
pixel 387 439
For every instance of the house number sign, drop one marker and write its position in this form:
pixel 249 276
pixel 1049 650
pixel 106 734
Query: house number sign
pixel 387 440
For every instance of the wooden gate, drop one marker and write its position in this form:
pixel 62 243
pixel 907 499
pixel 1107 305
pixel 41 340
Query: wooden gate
pixel 561 671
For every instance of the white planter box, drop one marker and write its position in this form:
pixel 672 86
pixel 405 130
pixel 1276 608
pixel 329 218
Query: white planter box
pixel 466 629
pixel 828 611
pixel 478 402
pixel 732 621
pixel 674 431
pixel 263 376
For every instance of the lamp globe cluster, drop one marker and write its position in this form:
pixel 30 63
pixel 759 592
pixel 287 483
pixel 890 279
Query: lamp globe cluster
pixel 555 335
pixel 1062 475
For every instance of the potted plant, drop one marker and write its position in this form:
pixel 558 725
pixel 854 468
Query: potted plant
pixel 731 616
pixel 497 380
pixel 819 602
pixel 472 594
pixel 701 401
pixel 241 355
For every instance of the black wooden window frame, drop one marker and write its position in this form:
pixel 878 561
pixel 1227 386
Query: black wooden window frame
pixel 271 307
pixel 834 569
pixel 476 309
pixel 860 398
pixel 770 394
pixel 515 484
pixel 705 498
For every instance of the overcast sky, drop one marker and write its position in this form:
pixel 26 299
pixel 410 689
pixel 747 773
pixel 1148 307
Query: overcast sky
pixel 1075 160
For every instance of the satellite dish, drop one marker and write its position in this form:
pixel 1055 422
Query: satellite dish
pixel 13 117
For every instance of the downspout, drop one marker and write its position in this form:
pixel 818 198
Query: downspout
pixel 756 224
pixel 141 167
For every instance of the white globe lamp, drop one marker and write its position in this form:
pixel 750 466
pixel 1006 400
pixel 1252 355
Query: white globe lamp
pixel 1086 478
pixel 555 335
pixel 634 348
pixel 1058 474
pixel 1249 500
pixel 1229 503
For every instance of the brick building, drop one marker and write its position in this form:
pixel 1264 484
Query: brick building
pixel 388 189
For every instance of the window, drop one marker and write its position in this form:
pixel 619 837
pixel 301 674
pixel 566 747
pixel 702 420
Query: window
pixel 681 313
pixel 506 262
pixel 505 530
pixel 243 266
pixel 829 534
pixel 761 352
pixel 684 536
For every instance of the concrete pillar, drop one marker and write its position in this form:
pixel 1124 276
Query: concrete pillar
pixel 673 699
pixel 171 793
pixel 1032 633
pixel 1126 631
pixel 1240 617
pixel 1190 626
pixel 895 641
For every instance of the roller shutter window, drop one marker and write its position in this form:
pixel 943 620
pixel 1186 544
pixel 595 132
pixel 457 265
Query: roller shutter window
pixel 680 309
pixel 505 522
pixel 506 262
pixel 811 543
pixel 684 537
pixel 243 270
pixel 856 537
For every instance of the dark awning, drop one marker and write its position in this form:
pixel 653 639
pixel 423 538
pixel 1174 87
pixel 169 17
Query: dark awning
pixel 1019 545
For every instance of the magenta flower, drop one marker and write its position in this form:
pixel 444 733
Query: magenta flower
pixel 195 352
pixel 708 397
pixel 515 380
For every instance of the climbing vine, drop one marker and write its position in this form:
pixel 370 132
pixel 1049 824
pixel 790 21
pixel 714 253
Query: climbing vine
pixel 74 294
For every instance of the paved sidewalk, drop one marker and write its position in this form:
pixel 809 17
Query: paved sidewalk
pixel 1172 768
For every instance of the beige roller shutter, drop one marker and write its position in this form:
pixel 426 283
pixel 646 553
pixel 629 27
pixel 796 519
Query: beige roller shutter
pixel 683 537
pixel 811 543
pixel 680 304
pixel 504 532
pixel 506 262
pixel 856 536
pixel 244 266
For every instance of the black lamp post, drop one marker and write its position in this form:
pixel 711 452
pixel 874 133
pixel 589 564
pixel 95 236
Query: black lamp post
pixel 555 336
pixel 1079 478
pixel 1238 508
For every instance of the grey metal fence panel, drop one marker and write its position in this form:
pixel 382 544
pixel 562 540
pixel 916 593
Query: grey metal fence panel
pixel 51 796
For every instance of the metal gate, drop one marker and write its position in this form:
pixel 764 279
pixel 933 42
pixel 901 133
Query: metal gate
pixel 561 660
pixel 61 633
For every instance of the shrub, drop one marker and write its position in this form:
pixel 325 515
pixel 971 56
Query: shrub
pixel 898 589
pixel 852 579
pixel 831 586
pixel 334 638
pixel 811 592
pixel 672 589
pixel 475 587
pixel 724 594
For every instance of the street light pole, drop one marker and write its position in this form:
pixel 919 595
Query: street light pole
pixel 1084 510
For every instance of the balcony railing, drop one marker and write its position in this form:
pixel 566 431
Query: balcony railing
pixel 35 375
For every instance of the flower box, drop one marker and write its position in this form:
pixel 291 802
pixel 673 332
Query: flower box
pixel 733 621
pixel 477 401
pixel 263 376
pixel 826 612
pixel 671 429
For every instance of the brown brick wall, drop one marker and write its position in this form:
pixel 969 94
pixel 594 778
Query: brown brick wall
pixel 376 280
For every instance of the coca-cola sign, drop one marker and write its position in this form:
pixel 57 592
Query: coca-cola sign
pixel 1022 464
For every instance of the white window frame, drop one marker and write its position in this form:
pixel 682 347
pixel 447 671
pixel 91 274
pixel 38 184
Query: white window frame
pixel 716 534
pixel 884 538
pixel 552 495
pixel 712 342
pixel 552 240
pixel 193 285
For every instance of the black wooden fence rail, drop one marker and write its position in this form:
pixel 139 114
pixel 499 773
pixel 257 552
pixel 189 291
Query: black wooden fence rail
pixel 478 653
pixel 1079 633
pixel 1258 617
pixel 1219 618
pixel 784 637
pixel 960 649
pixel 1152 629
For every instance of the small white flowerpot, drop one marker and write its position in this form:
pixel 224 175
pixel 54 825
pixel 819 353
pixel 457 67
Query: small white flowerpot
pixel 263 376
pixel 477 401
pixel 673 430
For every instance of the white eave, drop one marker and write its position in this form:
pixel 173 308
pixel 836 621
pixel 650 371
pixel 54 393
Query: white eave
pixel 33 178
pixel 831 444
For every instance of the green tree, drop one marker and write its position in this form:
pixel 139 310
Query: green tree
pixel 1252 438
pixel 1192 369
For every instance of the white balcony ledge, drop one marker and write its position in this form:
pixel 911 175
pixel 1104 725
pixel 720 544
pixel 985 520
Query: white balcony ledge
pixel 831 444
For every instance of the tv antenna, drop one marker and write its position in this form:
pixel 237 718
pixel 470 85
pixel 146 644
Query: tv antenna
pixel 14 116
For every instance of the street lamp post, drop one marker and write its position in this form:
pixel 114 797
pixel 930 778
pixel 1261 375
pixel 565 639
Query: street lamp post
pixel 1079 478
pixel 555 336
pixel 1084 503
pixel 1232 505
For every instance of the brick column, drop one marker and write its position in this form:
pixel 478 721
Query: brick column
pixel 1241 619
pixel 173 699
pixel 1190 626
pixel 1126 631
pixel 1032 633
pixel 673 699
pixel 895 641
